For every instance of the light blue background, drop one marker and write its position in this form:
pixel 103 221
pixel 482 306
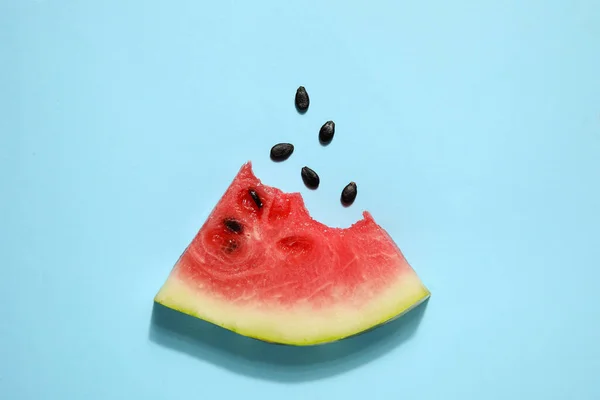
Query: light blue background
pixel 471 127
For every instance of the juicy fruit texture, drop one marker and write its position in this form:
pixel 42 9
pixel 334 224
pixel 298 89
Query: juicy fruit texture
pixel 273 273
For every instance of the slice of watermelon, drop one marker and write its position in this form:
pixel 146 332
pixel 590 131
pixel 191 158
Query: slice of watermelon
pixel 262 267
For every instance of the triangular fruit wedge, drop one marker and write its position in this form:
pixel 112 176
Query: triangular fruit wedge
pixel 262 267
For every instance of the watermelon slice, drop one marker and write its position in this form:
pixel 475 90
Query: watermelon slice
pixel 262 267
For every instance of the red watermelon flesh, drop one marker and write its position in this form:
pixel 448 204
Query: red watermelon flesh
pixel 262 267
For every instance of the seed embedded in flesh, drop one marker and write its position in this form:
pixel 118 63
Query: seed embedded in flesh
pixel 302 99
pixel 326 132
pixel 310 178
pixel 281 151
pixel 256 198
pixel 349 194
pixel 233 225
pixel 230 246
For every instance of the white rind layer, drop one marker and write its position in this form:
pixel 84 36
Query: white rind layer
pixel 300 324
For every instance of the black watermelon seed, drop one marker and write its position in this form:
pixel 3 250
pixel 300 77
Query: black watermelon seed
pixel 349 194
pixel 326 133
pixel 310 178
pixel 302 100
pixel 230 246
pixel 255 197
pixel 281 151
pixel 233 225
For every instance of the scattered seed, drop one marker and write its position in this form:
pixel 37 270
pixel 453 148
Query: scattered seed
pixel 230 246
pixel 302 100
pixel 281 151
pixel 255 197
pixel 233 225
pixel 310 178
pixel 349 194
pixel 326 133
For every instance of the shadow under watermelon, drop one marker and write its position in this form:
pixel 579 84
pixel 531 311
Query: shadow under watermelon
pixel 263 360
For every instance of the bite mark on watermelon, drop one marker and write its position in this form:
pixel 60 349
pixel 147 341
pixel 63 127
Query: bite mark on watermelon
pixel 284 277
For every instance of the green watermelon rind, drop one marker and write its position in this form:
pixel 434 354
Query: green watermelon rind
pixel 177 295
